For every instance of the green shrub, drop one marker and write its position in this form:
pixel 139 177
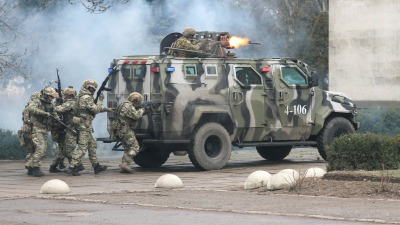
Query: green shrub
pixel 379 121
pixel 364 152
pixel 10 147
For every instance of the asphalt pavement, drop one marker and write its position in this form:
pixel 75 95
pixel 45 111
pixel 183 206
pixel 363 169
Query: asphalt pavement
pixel 208 197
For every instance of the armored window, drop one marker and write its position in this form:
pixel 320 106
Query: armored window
pixel 247 76
pixel 211 70
pixel 190 71
pixel 292 76
pixel 126 74
pixel 137 72
pixel 133 73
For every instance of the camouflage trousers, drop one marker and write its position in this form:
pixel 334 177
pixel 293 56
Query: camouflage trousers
pixel 26 141
pixel 39 139
pixel 86 143
pixel 130 144
pixel 69 144
pixel 59 154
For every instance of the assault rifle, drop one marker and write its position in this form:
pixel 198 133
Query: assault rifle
pixel 64 125
pixel 103 87
pixel 60 99
pixel 149 106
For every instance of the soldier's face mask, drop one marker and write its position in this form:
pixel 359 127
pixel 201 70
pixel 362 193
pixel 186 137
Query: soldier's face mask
pixel 91 89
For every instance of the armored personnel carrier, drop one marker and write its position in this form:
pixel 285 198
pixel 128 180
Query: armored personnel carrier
pixel 208 103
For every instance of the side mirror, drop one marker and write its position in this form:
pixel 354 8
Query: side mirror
pixel 314 79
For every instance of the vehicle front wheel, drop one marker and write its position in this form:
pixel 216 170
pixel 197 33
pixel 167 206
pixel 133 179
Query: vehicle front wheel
pixel 210 147
pixel 333 128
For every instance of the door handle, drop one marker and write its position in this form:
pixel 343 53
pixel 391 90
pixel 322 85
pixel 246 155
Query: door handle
pixel 239 97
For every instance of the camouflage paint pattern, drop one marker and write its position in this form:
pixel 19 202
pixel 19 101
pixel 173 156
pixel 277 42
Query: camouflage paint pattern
pixel 201 90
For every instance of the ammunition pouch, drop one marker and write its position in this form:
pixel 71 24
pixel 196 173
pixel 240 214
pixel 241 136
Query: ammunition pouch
pixel 76 120
pixel 21 137
pixel 116 125
pixel 26 128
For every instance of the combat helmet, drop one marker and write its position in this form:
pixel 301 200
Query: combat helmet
pixel 135 97
pixel 69 91
pixel 90 83
pixel 49 91
pixel 189 31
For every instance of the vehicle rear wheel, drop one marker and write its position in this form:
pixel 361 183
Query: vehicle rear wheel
pixel 274 153
pixel 211 147
pixel 333 128
pixel 151 156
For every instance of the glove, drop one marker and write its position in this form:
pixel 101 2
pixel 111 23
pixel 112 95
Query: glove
pixel 109 109
pixel 101 96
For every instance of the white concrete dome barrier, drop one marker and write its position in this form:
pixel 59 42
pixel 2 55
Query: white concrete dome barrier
pixel 314 172
pixel 291 172
pixel 257 179
pixel 281 181
pixel 55 186
pixel 169 181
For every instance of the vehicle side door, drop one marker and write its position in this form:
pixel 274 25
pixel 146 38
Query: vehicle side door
pixel 294 99
pixel 247 101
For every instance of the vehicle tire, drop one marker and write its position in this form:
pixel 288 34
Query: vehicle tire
pixel 151 156
pixel 333 128
pixel 274 153
pixel 210 147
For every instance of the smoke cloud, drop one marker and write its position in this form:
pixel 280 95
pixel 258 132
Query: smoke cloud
pixel 82 45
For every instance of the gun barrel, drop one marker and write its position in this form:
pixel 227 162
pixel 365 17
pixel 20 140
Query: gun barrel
pixel 254 43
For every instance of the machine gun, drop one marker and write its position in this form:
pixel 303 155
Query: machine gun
pixel 213 44
pixel 111 71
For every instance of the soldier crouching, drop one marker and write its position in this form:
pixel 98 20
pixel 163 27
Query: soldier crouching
pixel 126 117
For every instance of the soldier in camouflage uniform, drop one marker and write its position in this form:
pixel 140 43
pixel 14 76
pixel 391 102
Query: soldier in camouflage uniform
pixel 57 135
pixel 42 116
pixel 187 42
pixel 126 117
pixel 67 140
pixel 86 110
pixel 25 134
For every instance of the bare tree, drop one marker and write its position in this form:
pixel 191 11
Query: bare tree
pixel 11 58
pixel 98 6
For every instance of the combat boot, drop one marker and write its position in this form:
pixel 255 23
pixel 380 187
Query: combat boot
pixel 125 168
pixel 80 168
pixel 73 171
pixel 98 168
pixel 53 169
pixel 36 172
pixel 61 165
pixel 30 169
